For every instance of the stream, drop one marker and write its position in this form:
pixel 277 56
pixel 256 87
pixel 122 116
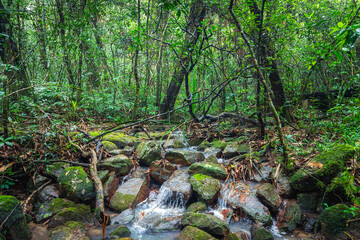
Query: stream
pixel 158 217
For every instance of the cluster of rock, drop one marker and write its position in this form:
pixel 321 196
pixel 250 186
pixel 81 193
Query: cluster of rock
pixel 293 202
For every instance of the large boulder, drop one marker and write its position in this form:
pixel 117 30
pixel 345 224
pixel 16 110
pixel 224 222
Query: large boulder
pixel 162 170
pixel 184 157
pixel 111 185
pixel 235 149
pixel 331 163
pixel 260 233
pixel 207 223
pixel 203 146
pixel 75 184
pixel 207 188
pixel 307 201
pixel 289 216
pixel 50 208
pixel 70 230
pixel 269 197
pixel 121 164
pixel 121 140
pixel 179 185
pixel 55 169
pixel 147 152
pixel 240 196
pixel 193 233
pixel 121 232
pixel 15 225
pixel 173 143
pixel 109 146
pixel 333 223
pixel 213 151
pixel 211 169
pixel 197 207
pixel 79 213
pixel 129 194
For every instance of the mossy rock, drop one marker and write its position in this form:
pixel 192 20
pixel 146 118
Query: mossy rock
pixel 79 213
pixel 333 160
pixel 207 223
pixel 49 209
pixel 15 226
pixel 235 148
pixel 173 143
pixel 332 222
pixel 109 145
pixel 219 144
pixel 121 164
pixel 75 184
pixel 55 169
pixel 211 159
pixel 206 187
pixel 269 197
pixel 197 207
pixel 70 230
pixel 121 232
pixel 184 157
pixel 210 169
pixel 148 152
pixel 193 233
pixel 203 145
pixel 260 233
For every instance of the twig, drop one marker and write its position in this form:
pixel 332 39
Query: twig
pixel 73 163
pixel 24 204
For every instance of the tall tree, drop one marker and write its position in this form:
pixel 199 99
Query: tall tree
pixel 182 66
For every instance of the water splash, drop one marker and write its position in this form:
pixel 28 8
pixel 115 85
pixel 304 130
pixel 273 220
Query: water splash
pixel 160 212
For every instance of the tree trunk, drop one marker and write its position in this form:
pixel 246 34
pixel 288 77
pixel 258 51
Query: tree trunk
pixel 267 54
pixel 197 14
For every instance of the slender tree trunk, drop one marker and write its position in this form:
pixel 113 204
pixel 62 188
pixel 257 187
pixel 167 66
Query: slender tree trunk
pixel 40 32
pixel 136 76
pixel 266 88
pixel 197 14
pixel 60 6
pixel 10 56
pixel 269 59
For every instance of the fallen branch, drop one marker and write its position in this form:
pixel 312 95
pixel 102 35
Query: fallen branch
pixel 25 203
pixel 103 218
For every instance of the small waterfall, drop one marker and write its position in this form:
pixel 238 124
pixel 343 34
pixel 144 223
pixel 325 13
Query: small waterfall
pixel 161 212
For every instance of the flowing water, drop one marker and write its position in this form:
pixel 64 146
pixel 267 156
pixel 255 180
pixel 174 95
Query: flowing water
pixel 158 217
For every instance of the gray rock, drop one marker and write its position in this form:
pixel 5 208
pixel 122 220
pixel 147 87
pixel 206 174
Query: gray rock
pixel 206 187
pixel 289 216
pixel 75 184
pixel 121 164
pixel 70 230
pixel 240 196
pixel 173 143
pixel 207 223
pixel 179 184
pixel 214 151
pixel 260 233
pixel 15 225
pixel 162 170
pixel 307 201
pixel 211 169
pixel 148 152
pixel 184 157
pixel 235 149
pixel 48 193
pixel 125 217
pixel 129 194
pixel 269 197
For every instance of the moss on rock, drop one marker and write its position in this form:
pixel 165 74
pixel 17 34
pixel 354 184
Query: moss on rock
pixel 193 233
pixel 207 188
pixel 207 223
pixel 121 232
pixel 75 184
pixel 210 169
pixel 333 160
pixel 197 207
pixel 332 222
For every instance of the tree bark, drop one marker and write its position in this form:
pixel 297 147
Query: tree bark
pixel 268 57
pixel 197 14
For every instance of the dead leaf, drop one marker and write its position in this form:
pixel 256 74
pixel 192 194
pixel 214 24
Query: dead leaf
pixel 3 168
